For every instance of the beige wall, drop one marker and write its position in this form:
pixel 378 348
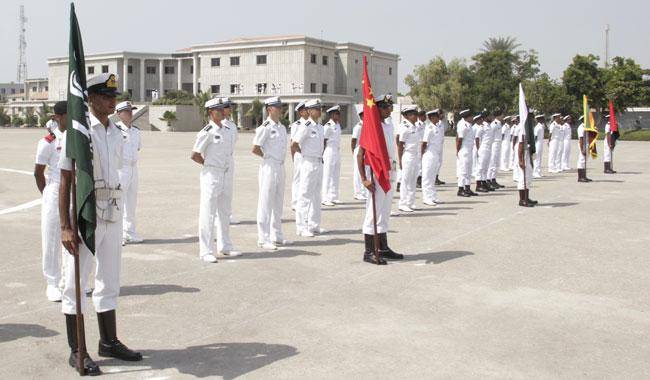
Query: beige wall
pixel 188 118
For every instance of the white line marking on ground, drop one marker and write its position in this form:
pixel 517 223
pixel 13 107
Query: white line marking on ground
pixel 21 207
pixel 16 171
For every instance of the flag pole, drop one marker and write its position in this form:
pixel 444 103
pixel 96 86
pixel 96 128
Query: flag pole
pixel 81 334
pixel 374 220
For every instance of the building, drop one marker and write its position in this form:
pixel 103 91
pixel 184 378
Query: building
pixel 293 67
pixel 11 92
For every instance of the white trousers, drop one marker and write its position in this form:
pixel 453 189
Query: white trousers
pixel 506 159
pixel 214 208
pixel 430 168
pixel 308 209
pixel 484 155
pixel 107 261
pixel 607 153
pixel 383 204
pixel 51 234
pixel 464 167
pixel 537 160
pixel 582 161
pixel 331 173
pixel 494 160
pixel 513 158
pixel 566 154
pixel 520 176
pixel 555 155
pixel 129 183
pixel 410 169
pixel 270 202
pixel 295 180
pixel 359 189
pixel 475 164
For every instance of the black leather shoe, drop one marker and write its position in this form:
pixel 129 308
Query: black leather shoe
pixel 525 204
pixel 469 191
pixel 373 260
pixel 385 251
pixel 90 367
pixel 462 193
pixel 117 350
pixel 439 182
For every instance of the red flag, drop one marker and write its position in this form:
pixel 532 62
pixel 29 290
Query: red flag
pixel 372 135
pixel 613 124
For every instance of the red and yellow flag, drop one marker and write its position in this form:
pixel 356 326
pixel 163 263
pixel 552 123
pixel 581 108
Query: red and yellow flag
pixel 591 133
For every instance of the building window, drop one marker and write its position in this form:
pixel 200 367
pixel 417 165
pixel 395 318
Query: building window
pixel 148 93
pixel 312 88
pixel 104 69
pixel 261 59
pixel 261 88
pixel 13 91
pixel 313 58
pixel 234 61
pixel 33 89
pixel 91 69
pixel 129 69
pixel 233 88
pixel 390 71
pixel 130 91
pixel 215 89
pixel 324 87
pixel 214 62
pixel 169 69
pixel 151 69
pixel 325 60
pixel 191 69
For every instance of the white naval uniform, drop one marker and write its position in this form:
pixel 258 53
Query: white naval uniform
pixel 360 191
pixel 231 170
pixel 308 210
pixel 129 176
pixel 271 137
pixel 411 136
pixel 484 151
pixel 495 157
pixel 464 160
pixel 52 125
pixel 215 144
pixel 582 159
pixel 555 147
pixel 607 152
pixel 434 136
pixel 297 157
pixel 48 153
pixel 107 159
pixel 566 146
pixel 523 182
pixel 331 161
pixel 539 150
pixel 506 148
pixel 383 200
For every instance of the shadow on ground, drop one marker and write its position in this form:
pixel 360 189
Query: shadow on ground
pixel 438 257
pixel 558 204
pixel 13 331
pixel 281 253
pixel 154 290
pixel 183 240
pixel 226 360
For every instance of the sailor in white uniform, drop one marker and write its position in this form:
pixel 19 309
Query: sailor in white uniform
pixel 332 157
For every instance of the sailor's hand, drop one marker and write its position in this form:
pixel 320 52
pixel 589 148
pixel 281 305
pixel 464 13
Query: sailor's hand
pixel 522 164
pixel 369 185
pixel 70 240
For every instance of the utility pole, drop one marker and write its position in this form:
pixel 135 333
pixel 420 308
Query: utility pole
pixel 22 47
pixel 606 45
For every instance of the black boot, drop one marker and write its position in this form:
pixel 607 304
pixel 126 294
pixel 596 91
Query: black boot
pixel 398 186
pixel 418 184
pixel 523 202
pixel 461 192
pixel 385 250
pixel 109 345
pixel 581 176
pixel 369 251
pixel 488 185
pixel 530 201
pixel 496 184
pixel 480 187
pixel 469 191
pixel 90 367
pixel 439 182
pixel 608 168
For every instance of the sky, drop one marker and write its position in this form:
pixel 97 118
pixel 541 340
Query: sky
pixel 416 30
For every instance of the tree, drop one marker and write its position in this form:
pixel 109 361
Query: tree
pixel 199 100
pixel 169 117
pixel 17 121
pixel 624 83
pixel 505 44
pixel 255 112
pixel 4 118
pixel 495 83
pixel 440 85
pixel 44 114
pixel 548 96
pixel 583 77
pixel 175 97
pixel 30 118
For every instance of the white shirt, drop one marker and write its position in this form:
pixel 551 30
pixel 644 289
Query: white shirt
pixel 465 131
pixel 52 125
pixel 567 132
pixel 389 136
pixel 539 133
pixel 310 138
pixel 356 133
pixel 495 126
pixel 48 153
pixel 132 143
pixel 555 130
pixel 411 135
pixel 486 136
pixel 506 132
pixel 434 136
pixel 332 133
pixel 271 137
pixel 108 147
pixel 293 128
pixel 215 144
pixel 521 137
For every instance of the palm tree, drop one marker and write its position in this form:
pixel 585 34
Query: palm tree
pixel 199 101
pixel 507 44
pixel 169 117
pixel 44 114
pixel 255 111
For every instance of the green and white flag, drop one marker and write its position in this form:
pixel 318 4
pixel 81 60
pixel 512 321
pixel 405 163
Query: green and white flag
pixel 78 144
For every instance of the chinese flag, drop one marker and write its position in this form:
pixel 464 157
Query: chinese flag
pixel 372 135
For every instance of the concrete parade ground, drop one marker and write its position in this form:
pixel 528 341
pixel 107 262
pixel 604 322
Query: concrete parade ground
pixel 488 289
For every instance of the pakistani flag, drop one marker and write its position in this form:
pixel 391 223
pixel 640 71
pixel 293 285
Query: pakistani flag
pixel 78 144
pixel 526 122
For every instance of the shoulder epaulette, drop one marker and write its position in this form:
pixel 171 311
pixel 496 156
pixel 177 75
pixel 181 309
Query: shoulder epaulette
pixel 266 123
pixel 133 126
pixel 50 137
pixel 308 123
pixel 207 127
